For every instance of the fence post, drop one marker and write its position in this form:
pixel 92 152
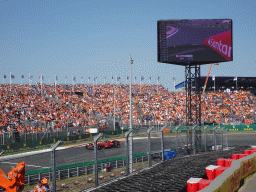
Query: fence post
pixel 162 141
pixel 226 137
pixel 28 180
pixel 222 139
pixel 177 140
pixel 205 139
pixel 149 147
pixel 214 134
pixel 95 158
pixel 188 132
pixel 54 165
pixel 127 150
pixel 193 139
pixel 39 176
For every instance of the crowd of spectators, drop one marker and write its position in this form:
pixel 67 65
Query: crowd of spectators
pixel 86 105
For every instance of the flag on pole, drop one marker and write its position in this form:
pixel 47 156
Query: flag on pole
pixel 94 78
pixel 118 78
pixel 31 77
pixel 88 77
pixel 235 79
pixel 150 78
pixel 213 77
pixel 127 78
pixel 158 78
pixel 131 60
pixel 112 77
pixel 22 76
pixel 135 78
pixel 66 77
pixel 74 79
pixel 174 78
pixel 5 76
pixel 81 77
pixel 56 78
pixel 12 76
pixel 142 78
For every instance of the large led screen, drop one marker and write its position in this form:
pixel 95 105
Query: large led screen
pixel 191 42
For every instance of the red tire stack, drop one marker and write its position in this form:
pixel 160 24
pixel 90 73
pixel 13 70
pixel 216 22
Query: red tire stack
pixel 213 171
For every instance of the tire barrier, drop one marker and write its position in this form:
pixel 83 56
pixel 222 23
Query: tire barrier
pixel 213 171
pixel 171 175
pixel 242 165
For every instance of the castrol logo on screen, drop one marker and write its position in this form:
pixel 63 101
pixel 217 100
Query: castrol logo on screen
pixel 221 43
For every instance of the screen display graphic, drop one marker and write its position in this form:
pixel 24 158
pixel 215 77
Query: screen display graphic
pixel 190 42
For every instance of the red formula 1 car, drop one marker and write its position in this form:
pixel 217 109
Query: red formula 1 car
pixel 104 144
pixel 111 143
pixel 90 146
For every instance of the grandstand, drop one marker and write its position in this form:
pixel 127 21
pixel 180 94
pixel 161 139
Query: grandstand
pixel 88 105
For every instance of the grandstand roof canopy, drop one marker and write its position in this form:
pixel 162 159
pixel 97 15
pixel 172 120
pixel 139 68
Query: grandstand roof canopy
pixel 224 82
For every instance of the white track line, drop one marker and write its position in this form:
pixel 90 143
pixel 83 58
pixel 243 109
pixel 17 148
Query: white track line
pixel 26 165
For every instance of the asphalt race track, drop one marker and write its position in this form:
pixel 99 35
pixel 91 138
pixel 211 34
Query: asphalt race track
pixel 79 154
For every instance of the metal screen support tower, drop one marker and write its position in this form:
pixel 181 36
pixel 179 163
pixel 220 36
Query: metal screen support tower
pixel 193 100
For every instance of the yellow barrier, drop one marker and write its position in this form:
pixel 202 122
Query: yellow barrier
pixel 232 183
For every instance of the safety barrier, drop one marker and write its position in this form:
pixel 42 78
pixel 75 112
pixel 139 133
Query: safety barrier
pixel 46 141
pixel 72 170
pixel 230 180
pixel 250 127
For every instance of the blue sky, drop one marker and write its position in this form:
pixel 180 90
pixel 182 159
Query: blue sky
pixel 95 38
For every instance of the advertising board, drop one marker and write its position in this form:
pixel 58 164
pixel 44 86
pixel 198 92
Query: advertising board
pixel 197 41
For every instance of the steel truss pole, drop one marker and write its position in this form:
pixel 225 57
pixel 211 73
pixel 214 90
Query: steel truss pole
pixel 193 100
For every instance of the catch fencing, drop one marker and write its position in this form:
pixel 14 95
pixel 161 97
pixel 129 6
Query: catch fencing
pixel 78 164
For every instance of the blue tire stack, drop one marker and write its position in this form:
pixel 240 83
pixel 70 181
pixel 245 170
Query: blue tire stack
pixel 169 154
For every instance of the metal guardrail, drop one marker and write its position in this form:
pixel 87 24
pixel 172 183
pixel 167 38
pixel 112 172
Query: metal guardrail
pixel 68 171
